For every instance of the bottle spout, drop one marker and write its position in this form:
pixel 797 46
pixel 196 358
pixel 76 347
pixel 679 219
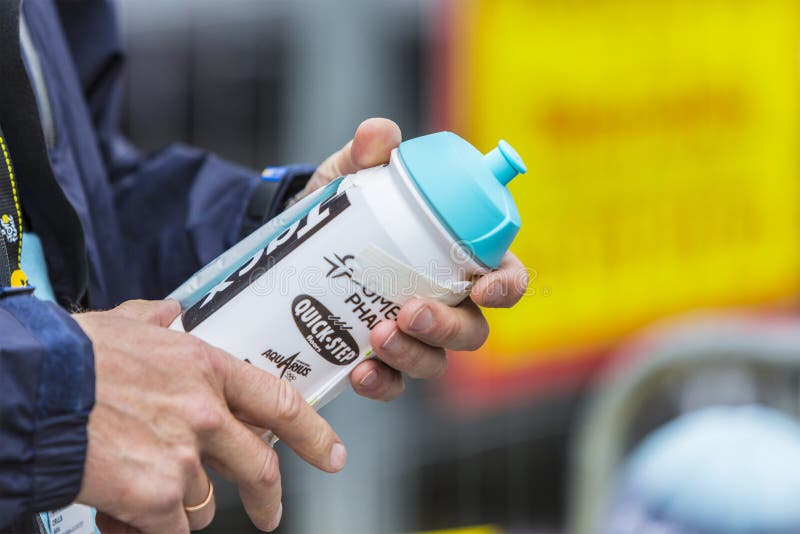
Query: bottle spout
pixel 505 163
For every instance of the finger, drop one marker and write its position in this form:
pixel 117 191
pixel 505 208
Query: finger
pixel 375 380
pixel 407 354
pixel 334 166
pixel 371 145
pixel 238 454
pixel 504 287
pixel 171 519
pixel 457 328
pixel 156 312
pixel 197 491
pixel 267 401
pixel 109 525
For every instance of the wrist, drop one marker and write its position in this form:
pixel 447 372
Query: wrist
pixel 272 195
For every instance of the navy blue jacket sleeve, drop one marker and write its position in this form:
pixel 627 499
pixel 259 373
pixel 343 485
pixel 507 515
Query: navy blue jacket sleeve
pixel 47 385
pixel 178 208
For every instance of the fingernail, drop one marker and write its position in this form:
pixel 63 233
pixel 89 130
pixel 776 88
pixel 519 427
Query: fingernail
pixel 391 342
pixel 338 456
pixel 370 379
pixel 277 520
pixel 422 320
pixel 493 294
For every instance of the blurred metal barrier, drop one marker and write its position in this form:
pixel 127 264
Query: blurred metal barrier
pixel 767 350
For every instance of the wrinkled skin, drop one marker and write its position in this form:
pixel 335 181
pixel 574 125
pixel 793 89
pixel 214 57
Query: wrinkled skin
pixel 167 403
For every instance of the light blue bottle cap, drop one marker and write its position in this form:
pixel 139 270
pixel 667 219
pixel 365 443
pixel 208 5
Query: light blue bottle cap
pixel 467 190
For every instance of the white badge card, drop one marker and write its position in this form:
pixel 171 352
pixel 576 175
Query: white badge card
pixel 74 519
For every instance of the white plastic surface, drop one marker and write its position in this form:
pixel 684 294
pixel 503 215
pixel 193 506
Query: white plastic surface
pixel 290 304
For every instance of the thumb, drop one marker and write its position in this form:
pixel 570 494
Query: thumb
pixel 156 312
pixel 371 145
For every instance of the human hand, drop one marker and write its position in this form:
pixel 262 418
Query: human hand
pixel 167 403
pixel 371 145
pixel 415 344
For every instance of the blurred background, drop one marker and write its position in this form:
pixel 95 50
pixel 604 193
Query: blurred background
pixel 661 139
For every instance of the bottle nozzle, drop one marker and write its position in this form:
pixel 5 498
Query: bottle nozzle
pixel 505 163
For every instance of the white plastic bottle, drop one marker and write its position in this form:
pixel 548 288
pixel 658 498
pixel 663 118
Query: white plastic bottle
pixel 299 297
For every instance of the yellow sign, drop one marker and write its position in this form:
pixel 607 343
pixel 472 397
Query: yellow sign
pixel 662 144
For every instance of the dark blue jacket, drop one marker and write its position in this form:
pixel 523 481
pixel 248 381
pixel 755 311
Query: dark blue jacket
pixel 116 224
